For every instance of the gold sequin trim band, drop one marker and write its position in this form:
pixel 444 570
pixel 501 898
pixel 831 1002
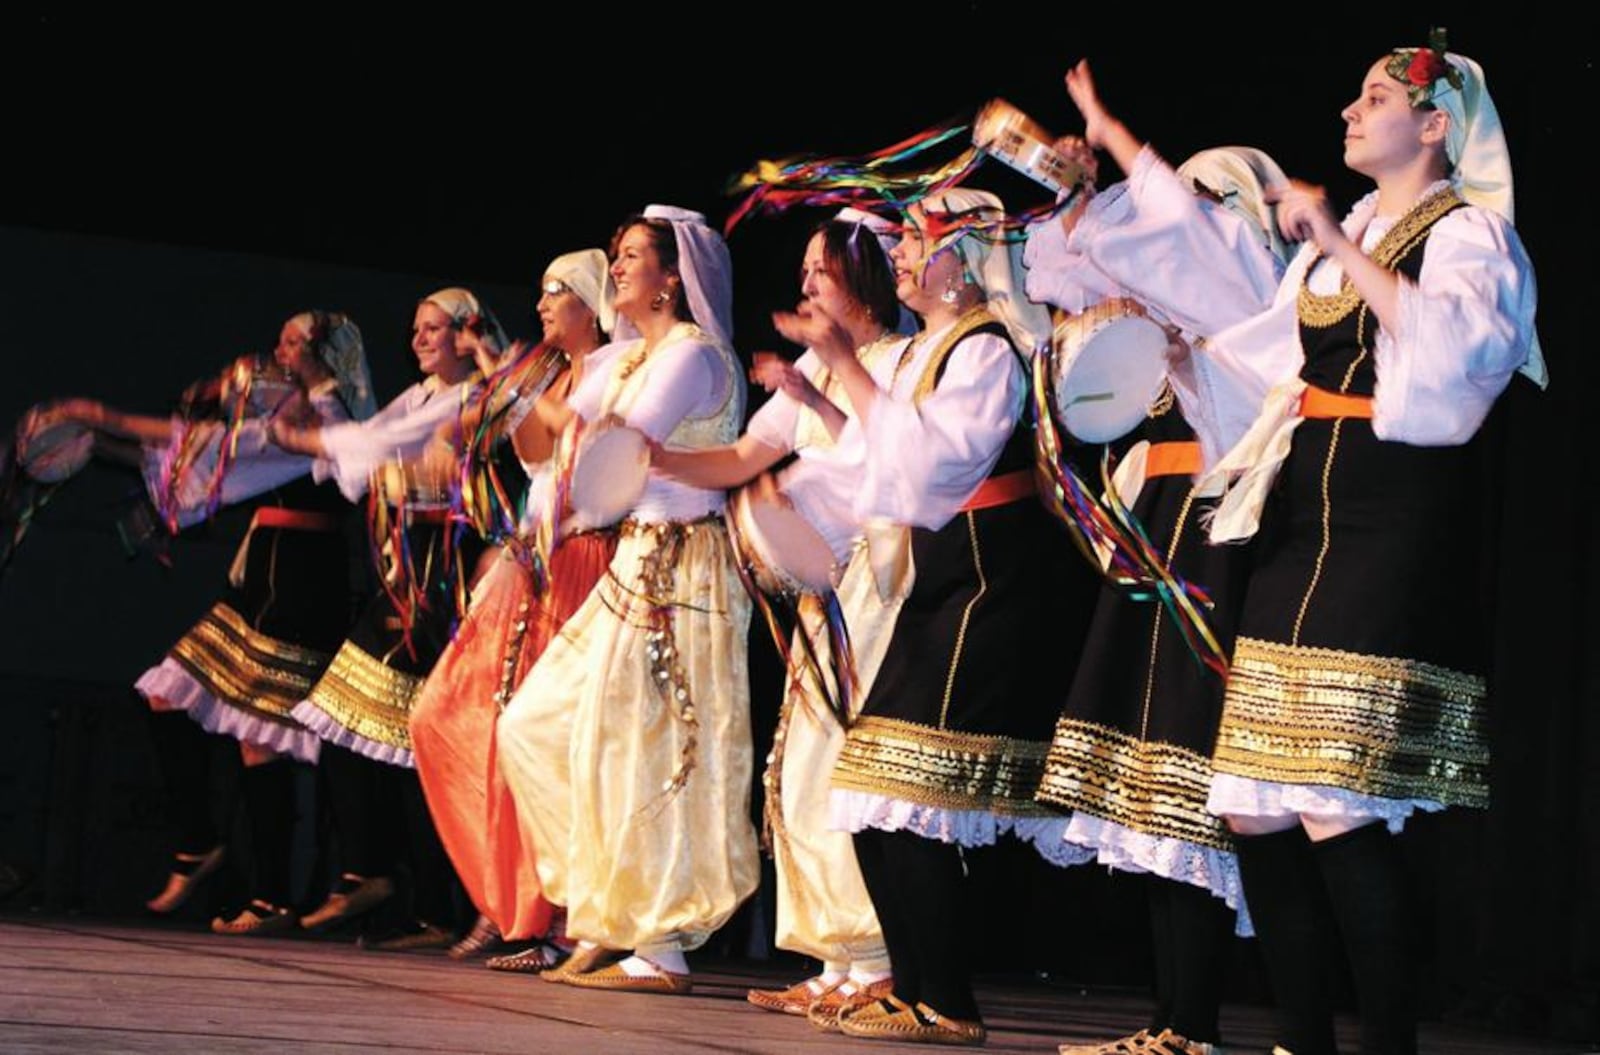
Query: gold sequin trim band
pixel 245 668
pixel 1395 728
pixel 1154 788
pixel 368 698
pixel 942 768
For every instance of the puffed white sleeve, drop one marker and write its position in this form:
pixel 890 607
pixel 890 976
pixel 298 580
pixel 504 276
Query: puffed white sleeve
pixel 1060 271
pixel 776 422
pixel 925 459
pixel 685 378
pixel 352 450
pixel 1189 258
pixel 1466 325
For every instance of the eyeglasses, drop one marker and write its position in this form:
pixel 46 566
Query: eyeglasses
pixel 554 287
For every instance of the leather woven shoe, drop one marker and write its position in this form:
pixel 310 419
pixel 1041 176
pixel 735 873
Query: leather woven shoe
pixel 535 959
pixel 668 983
pixel 892 1019
pixel 825 1010
pixel 1146 1043
pixel 483 936
pixel 795 1000
pixel 584 958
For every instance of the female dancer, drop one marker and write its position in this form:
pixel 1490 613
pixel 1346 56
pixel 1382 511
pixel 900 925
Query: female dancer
pixel 1131 753
pixel 361 704
pixel 627 747
pixel 951 740
pixel 242 668
pixel 508 625
pixel 823 907
pixel 1351 704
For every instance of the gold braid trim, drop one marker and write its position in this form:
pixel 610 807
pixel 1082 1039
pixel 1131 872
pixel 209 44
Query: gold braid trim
pixel 1153 788
pixel 941 767
pixel 245 668
pixel 1321 312
pixel 971 320
pixel 1376 725
pixel 368 698
pixel 810 431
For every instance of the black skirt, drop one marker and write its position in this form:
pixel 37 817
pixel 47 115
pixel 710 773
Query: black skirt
pixel 1133 745
pixel 1364 639
pixel 960 715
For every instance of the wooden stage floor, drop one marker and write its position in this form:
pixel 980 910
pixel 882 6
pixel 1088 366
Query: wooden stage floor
pixel 82 985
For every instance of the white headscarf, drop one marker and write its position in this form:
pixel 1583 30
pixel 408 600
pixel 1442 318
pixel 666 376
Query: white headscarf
pixel 1241 176
pixel 996 266
pixel 461 305
pixel 337 341
pixel 588 274
pixel 1475 143
pixel 887 235
pixel 883 230
pixel 705 268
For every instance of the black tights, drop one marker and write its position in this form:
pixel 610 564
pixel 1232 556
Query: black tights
pixel 381 819
pixel 1303 898
pixel 1191 929
pixel 917 887
pixel 183 751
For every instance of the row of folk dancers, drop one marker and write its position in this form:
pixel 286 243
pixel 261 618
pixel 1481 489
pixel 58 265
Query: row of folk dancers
pixel 579 747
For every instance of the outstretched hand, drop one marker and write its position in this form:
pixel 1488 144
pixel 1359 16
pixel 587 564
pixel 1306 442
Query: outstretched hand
pixel 811 328
pixel 1097 121
pixel 775 373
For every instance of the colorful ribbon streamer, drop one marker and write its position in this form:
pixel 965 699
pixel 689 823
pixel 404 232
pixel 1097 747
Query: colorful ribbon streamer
pixel 1135 567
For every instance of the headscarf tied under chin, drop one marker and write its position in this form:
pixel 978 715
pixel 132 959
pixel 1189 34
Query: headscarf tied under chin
pixel 1240 177
pixel 988 258
pixel 337 342
pixel 587 273
pixel 705 269
pixel 463 308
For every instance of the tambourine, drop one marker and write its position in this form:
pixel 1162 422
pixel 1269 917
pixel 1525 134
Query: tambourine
pixel 609 471
pixel 1107 367
pixel 51 447
pixel 1012 137
pixel 782 551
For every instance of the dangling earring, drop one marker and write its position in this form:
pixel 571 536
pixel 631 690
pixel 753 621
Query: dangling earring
pixel 952 290
pixel 660 300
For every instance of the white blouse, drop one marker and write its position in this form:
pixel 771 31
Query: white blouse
pixel 923 460
pixel 257 467
pixel 686 377
pixel 1190 259
pixel 401 430
pixel 822 480
pixel 1466 325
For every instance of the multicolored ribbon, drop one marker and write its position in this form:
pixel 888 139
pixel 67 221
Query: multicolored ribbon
pixel 774 186
pixel 839 694
pixel 1135 566
pixel 191 443
pixel 480 495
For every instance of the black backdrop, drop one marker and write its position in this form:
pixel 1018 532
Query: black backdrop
pixel 174 188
